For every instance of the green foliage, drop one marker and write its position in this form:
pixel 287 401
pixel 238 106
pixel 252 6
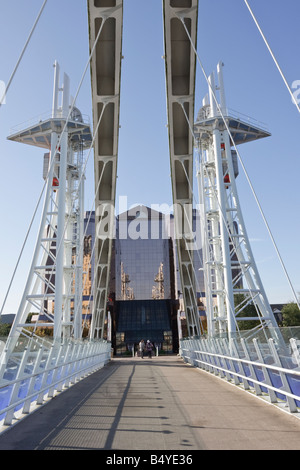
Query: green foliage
pixel 249 311
pixel 4 329
pixel 291 314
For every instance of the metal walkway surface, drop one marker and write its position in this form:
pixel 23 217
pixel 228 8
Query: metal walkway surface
pixel 160 404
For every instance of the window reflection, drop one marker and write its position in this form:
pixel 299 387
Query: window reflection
pixel 144 281
pixel 158 291
pixel 142 270
pixel 126 291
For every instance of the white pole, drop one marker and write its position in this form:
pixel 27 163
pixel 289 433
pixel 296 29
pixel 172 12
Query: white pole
pixel 212 91
pixel 79 259
pixel 221 205
pixel 55 90
pixel 226 260
pixel 60 244
pixel 205 249
pixel 221 88
pixel 179 325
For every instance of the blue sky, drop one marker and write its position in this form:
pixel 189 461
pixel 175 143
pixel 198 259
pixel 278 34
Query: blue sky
pixel 254 87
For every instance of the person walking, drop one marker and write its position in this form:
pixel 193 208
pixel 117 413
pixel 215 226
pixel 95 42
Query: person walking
pixel 149 348
pixel 141 348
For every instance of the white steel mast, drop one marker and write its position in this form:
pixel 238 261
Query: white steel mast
pixel 229 265
pixel 54 281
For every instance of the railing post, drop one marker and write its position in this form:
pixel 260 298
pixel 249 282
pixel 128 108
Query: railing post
pixel 290 401
pixel 265 371
pixel 37 365
pixel 58 348
pixel 240 364
pixel 225 351
pixel 79 361
pixel 235 378
pixel 219 360
pixel 64 371
pixel 295 351
pixel 41 395
pixel 210 359
pixel 16 387
pixel 253 375
pixel 199 354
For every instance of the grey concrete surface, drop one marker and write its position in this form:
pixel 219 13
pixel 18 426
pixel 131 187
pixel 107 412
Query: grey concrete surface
pixel 160 404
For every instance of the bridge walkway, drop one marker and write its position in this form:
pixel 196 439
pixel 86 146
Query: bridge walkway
pixel 160 404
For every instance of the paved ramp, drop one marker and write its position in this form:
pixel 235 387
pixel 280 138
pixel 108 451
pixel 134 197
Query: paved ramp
pixel 154 404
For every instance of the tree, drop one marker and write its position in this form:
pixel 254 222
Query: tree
pixel 4 329
pixel 291 314
pixel 248 311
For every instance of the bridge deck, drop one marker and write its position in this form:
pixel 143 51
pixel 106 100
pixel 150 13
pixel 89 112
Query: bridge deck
pixel 159 403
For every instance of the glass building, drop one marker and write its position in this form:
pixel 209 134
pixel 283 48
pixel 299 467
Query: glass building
pixel 144 297
pixel 144 286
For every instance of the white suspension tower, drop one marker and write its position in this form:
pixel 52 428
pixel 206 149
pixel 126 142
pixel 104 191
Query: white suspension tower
pixel 54 281
pixel 229 265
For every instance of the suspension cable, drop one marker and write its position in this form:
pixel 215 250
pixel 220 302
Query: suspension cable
pixel 22 249
pixel 243 166
pixel 273 56
pixel 40 197
pixel 22 53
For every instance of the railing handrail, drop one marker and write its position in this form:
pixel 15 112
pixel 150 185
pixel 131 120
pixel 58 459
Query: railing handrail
pixel 47 386
pixel 64 363
pixel 254 363
pixel 216 357
pixel 251 379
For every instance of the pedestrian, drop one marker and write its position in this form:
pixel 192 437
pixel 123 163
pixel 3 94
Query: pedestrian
pixel 149 347
pixel 141 348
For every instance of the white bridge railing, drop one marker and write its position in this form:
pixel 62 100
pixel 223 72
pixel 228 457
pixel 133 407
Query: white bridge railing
pixel 262 366
pixel 37 371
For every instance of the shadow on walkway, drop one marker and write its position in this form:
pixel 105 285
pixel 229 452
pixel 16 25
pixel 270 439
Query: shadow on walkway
pixel 158 403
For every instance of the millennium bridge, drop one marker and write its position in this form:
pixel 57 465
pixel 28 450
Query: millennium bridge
pixel 226 388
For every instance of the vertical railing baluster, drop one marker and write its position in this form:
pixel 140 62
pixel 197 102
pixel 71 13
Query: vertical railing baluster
pixel 37 365
pixel 59 352
pixel 16 387
pixel 290 401
pixel 253 374
pixel 240 365
pixel 267 378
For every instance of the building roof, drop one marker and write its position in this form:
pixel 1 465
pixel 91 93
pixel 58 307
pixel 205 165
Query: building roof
pixel 140 210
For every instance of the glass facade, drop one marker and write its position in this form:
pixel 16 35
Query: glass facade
pixel 144 288
pixel 142 270
pixel 143 319
pixel 144 281
pixel 142 253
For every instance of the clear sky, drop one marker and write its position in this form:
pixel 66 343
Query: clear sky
pixel 254 87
